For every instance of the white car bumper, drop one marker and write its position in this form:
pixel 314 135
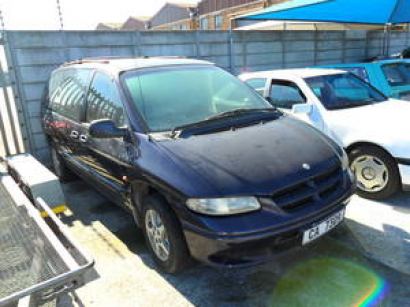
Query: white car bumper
pixel 405 175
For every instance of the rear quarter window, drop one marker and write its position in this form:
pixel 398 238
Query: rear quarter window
pixel 67 92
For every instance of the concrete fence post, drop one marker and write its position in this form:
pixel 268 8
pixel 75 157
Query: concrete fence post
pixel 136 44
pixel 316 49
pixel 284 48
pixel 344 45
pixel 366 51
pixel 197 44
pixel 230 52
pixel 18 93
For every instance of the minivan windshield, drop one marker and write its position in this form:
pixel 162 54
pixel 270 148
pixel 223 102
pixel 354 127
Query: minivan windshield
pixel 342 91
pixel 172 97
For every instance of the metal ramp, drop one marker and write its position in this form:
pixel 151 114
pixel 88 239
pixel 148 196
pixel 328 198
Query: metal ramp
pixel 38 259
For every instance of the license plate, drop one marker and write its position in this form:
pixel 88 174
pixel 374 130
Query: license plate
pixel 323 227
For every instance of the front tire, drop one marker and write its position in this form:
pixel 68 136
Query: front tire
pixel 376 172
pixel 164 236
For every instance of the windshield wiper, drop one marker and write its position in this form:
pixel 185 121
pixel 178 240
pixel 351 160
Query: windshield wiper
pixel 241 111
pixel 175 131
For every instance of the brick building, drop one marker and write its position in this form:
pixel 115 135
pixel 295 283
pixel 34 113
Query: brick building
pixel 175 16
pixel 205 15
pixel 219 14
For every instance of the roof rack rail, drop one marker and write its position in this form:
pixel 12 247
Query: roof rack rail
pixel 106 59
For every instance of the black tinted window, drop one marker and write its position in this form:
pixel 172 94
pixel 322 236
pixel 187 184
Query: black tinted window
pixel 284 94
pixel 342 91
pixel 103 100
pixel 67 92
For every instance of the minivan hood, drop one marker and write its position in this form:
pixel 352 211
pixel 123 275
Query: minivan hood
pixel 255 160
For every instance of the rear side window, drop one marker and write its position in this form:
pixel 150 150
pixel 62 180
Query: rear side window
pixel 285 94
pixel 67 92
pixel 257 84
pixel 103 100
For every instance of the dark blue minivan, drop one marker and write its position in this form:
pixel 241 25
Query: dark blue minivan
pixel 207 167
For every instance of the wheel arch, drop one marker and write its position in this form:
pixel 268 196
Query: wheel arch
pixel 141 189
pixel 359 144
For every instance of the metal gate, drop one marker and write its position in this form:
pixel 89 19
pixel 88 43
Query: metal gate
pixel 11 141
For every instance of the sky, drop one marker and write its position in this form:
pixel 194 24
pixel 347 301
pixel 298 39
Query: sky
pixel 77 14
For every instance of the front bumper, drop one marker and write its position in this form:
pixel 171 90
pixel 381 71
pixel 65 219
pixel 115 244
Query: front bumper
pixel 250 249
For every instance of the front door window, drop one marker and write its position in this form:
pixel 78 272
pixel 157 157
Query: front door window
pixel 285 94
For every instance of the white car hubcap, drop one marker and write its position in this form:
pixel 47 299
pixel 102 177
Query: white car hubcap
pixel 371 173
pixel 157 234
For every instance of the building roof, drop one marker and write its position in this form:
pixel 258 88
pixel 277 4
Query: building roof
pixel 140 18
pixel 191 4
pixel 109 25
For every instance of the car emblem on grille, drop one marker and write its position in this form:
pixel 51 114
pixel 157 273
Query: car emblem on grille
pixel 306 166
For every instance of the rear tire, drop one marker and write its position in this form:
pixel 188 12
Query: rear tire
pixel 60 169
pixel 376 171
pixel 177 257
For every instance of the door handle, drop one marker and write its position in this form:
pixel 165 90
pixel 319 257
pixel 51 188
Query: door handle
pixel 74 134
pixel 83 138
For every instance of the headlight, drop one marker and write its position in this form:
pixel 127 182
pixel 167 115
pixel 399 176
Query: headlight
pixel 223 206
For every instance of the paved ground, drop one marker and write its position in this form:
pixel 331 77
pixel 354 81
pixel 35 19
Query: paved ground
pixel 366 261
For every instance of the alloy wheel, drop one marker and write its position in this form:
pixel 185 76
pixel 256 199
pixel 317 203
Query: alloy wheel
pixel 157 234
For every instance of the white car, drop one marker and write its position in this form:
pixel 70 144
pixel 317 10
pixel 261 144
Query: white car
pixel 374 130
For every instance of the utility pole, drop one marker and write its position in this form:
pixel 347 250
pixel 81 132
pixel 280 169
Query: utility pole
pixel 3 27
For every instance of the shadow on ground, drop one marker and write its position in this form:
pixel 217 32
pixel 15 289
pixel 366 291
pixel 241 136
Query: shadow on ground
pixel 334 271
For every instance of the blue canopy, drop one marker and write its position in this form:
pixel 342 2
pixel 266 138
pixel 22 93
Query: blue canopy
pixel 376 12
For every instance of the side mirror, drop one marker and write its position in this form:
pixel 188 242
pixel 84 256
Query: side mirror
pixel 302 108
pixel 105 129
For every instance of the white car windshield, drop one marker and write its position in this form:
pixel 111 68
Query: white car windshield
pixel 171 97
pixel 342 91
